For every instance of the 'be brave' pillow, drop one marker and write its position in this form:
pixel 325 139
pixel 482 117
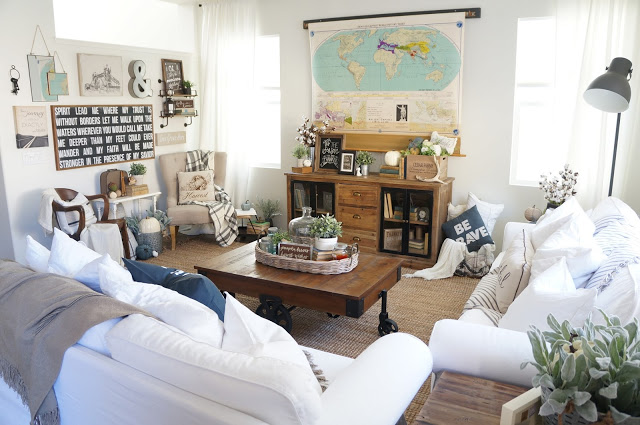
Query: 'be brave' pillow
pixel 469 228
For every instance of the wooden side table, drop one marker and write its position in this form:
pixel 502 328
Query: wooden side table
pixel 462 399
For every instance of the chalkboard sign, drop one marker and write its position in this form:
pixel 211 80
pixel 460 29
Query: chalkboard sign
pixel 327 154
pixel 86 136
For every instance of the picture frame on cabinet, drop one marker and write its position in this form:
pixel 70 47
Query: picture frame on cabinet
pixel 173 75
pixel 347 162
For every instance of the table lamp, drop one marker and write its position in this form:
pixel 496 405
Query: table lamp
pixel 611 92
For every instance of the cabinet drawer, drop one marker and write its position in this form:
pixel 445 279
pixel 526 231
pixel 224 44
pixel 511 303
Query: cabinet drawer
pixel 358 218
pixel 360 195
pixel 366 240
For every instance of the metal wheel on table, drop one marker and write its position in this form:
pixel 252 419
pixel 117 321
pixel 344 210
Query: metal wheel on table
pixel 271 308
pixel 387 326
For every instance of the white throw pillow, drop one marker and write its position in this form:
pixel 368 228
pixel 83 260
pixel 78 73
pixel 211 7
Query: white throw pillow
pixel 552 292
pixel 569 212
pixel 37 256
pixel 67 255
pixel 455 210
pixel 614 209
pixel 621 297
pixel 196 186
pixel 268 389
pixel 488 212
pixel 514 270
pixel 95 337
pixel 90 273
pixel 191 317
pixel 68 221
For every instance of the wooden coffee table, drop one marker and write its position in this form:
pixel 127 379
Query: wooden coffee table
pixel 347 294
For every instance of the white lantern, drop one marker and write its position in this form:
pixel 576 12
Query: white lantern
pixel 149 225
pixel 392 158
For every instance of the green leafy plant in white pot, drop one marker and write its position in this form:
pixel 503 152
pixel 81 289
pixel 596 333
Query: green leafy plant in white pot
pixel 364 159
pixel 588 374
pixel 138 171
pixel 300 152
pixel 326 230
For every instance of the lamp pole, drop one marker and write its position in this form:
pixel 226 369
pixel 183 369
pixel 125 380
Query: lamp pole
pixel 615 149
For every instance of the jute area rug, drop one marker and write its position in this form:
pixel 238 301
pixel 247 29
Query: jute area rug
pixel 415 304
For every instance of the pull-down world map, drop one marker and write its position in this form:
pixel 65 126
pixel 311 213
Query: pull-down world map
pixel 400 74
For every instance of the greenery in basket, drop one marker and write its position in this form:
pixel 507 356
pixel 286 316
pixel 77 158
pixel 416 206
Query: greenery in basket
pixel 278 237
pixel 594 370
pixel 436 146
pixel 300 151
pixel 161 216
pixel 364 158
pixel 325 226
pixel 137 169
pixel 268 208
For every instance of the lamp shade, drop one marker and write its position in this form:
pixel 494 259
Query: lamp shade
pixel 611 92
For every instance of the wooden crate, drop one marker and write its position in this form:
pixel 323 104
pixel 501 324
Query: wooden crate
pixel 424 166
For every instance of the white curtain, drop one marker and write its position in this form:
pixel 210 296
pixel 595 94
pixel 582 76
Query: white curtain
pixel 589 34
pixel 226 70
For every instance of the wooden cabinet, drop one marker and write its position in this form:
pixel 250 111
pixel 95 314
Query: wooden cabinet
pixel 359 203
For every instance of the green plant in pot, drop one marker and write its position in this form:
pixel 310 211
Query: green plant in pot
pixel 137 171
pixel 269 209
pixel 588 374
pixel 364 159
pixel 187 86
pixel 301 152
pixel 326 230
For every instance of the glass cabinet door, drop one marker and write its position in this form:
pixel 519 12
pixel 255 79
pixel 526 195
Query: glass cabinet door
pixel 300 197
pixel 319 196
pixel 324 199
pixel 420 214
pixel 393 228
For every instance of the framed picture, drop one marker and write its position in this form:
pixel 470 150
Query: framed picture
pixel 39 68
pixel 327 154
pixel 522 410
pixel 347 162
pixel 422 214
pixel 31 126
pixel 172 75
pixel 100 75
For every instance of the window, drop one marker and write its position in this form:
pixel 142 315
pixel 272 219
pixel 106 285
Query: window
pixel 534 149
pixel 267 84
pixel 154 24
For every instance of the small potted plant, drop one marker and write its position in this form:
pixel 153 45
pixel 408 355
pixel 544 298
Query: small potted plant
pixel 364 159
pixel 301 152
pixel 588 374
pixel 137 171
pixel 269 209
pixel 186 87
pixel 326 230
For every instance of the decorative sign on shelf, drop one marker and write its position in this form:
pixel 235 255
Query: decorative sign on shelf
pixel 95 135
pixel 295 250
pixel 327 154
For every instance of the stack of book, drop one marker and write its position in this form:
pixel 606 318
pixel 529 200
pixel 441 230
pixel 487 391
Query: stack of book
pixel 416 244
pixel 255 227
pixel 135 190
pixel 398 212
pixel 185 107
pixel 390 171
pixel 322 254
pixel 388 206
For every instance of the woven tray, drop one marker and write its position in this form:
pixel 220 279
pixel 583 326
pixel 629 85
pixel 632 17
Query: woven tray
pixel 307 266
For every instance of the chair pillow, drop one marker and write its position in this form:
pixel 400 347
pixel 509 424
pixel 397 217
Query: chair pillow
pixel 191 285
pixel 514 270
pixel 68 221
pixel 67 255
pixel 488 212
pixel 37 256
pixel 469 228
pixel 196 186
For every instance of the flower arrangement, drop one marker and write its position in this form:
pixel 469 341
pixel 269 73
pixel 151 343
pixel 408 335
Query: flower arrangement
pixel 365 158
pixel 137 169
pixel 436 146
pixel 308 132
pixel 593 370
pixel 325 226
pixel 300 151
pixel 558 189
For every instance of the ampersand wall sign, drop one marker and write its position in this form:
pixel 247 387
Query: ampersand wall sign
pixel 138 86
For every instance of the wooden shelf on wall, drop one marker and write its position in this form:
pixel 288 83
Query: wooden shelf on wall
pixel 376 142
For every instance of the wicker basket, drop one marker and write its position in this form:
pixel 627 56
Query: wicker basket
pixel 307 266
pixel 154 240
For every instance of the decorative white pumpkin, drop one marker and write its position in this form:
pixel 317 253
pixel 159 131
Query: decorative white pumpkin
pixel 392 158
pixel 149 225
pixel 307 163
pixel 532 214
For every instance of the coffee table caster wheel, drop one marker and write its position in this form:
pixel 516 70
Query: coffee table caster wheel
pixel 386 327
pixel 271 308
pixel 333 316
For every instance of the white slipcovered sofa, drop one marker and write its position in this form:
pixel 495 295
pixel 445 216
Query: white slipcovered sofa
pixel 570 263
pixel 187 367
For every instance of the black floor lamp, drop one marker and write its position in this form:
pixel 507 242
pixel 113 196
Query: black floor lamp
pixel 611 92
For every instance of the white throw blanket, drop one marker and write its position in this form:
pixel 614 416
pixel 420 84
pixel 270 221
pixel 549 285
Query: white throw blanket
pixel 451 254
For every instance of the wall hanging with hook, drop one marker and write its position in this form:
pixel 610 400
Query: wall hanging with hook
pixel 57 82
pixel 39 66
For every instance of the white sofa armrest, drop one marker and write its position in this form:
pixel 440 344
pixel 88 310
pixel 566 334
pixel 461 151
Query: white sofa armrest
pixel 380 383
pixel 483 351
pixel 511 229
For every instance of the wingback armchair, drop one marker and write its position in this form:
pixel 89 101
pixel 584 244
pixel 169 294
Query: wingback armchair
pixel 170 165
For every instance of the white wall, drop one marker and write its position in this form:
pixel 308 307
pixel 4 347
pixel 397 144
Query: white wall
pixel 23 184
pixel 487 104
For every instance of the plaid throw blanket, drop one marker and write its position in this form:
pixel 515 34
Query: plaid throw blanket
pixel 222 212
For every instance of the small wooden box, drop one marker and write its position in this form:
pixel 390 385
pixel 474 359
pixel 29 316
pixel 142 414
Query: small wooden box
pixel 303 170
pixel 424 166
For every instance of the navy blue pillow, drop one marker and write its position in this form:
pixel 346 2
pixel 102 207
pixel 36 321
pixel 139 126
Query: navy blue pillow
pixel 194 286
pixel 469 228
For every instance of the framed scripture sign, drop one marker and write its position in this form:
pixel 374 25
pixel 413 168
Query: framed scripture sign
pixel 172 75
pixel 327 157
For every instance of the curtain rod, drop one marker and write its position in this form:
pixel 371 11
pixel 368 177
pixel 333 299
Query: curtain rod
pixel 469 13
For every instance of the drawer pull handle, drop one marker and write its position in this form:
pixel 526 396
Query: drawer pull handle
pixel 356 239
pixel 357 216
pixel 357 194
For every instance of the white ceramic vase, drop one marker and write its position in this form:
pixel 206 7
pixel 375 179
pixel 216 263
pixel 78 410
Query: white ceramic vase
pixel 139 179
pixel 325 244
pixel 300 162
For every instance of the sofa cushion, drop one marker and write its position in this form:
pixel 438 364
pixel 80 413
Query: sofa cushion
pixel 67 255
pixel 195 186
pixel 552 292
pixel 613 210
pixel 569 212
pixel 189 316
pixel 37 256
pixel 191 285
pixel 621 297
pixel 90 273
pixel 489 212
pixel 271 390
pixel 469 228
pixel 514 270
pixel 483 298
